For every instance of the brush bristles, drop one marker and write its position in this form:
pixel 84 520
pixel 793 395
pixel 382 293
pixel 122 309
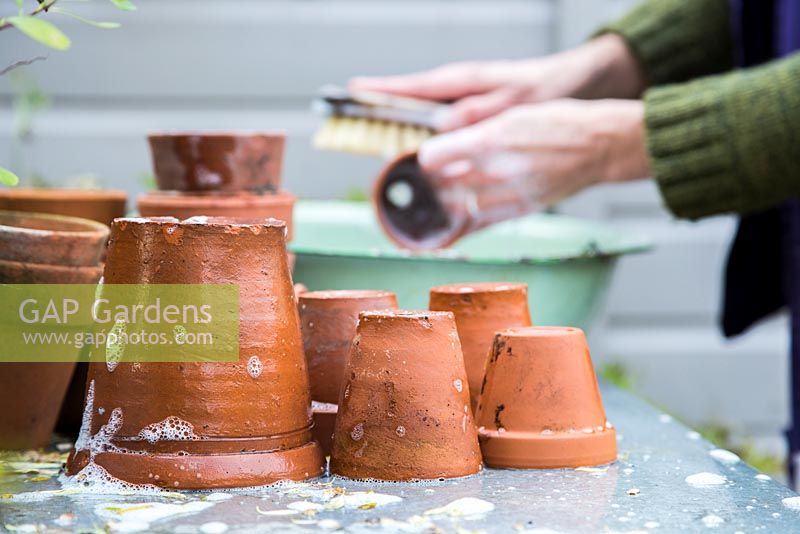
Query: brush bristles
pixel 369 136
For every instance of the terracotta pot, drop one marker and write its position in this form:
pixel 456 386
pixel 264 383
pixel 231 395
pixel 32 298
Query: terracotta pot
pixel 218 161
pixel 481 309
pixel 31 394
pixel 250 205
pixel 417 212
pixel 328 321
pixel 251 428
pixel 51 239
pixel 404 409
pixel 101 206
pixel 540 406
pixel 324 425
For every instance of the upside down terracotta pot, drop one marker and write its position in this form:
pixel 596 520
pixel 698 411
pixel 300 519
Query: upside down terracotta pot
pixel 328 321
pixel 242 423
pixel 540 406
pixel 208 161
pixel 481 309
pixel 278 205
pixel 97 205
pixel 31 393
pixel 404 409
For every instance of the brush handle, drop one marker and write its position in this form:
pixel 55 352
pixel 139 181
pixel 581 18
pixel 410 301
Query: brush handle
pixel 378 106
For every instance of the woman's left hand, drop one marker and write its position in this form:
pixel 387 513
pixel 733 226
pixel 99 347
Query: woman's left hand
pixel 539 154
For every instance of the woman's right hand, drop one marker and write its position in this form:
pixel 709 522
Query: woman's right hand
pixel 601 68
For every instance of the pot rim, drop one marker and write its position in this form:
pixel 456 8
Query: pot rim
pixel 328 295
pixel 204 221
pixel 93 229
pixel 473 288
pixel 540 331
pixel 239 134
pixel 228 198
pixel 65 194
pixel 404 314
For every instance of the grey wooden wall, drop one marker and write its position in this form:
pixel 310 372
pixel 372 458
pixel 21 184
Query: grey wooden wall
pixel 202 64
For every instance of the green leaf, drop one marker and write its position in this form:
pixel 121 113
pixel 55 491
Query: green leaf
pixel 125 5
pixel 40 30
pixel 8 178
pixel 95 23
pixel 19 3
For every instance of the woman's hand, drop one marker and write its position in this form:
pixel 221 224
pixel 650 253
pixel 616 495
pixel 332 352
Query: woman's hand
pixel 535 155
pixel 601 68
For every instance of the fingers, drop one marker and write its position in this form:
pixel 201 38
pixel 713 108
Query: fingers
pixel 475 108
pixel 447 148
pixel 445 83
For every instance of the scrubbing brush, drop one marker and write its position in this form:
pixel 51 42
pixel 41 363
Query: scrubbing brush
pixel 374 124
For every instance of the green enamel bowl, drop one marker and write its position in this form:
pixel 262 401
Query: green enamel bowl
pixel 566 262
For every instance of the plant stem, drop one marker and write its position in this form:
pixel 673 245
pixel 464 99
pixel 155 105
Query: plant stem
pixel 42 7
pixel 21 63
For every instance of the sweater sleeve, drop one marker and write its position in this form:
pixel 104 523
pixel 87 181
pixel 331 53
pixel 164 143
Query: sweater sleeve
pixel 727 143
pixel 677 40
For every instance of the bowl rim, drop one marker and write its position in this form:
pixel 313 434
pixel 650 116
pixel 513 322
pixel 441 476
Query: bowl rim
pixel 625 243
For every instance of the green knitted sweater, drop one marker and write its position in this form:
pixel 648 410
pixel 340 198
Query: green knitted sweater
pixel 719 140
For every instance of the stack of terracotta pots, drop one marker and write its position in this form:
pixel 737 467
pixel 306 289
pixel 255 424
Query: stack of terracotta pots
pixel 42 249
pixel 102 206
pixel 198 425
pixel 218 175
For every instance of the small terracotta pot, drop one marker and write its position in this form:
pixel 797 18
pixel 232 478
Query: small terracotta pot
pixel 324 425
pixel 328 321
pixel 540 406
pixel 250 428
pixel 250 205
pixel 418 212
pixel 101 206
pixel 218 161
pixel 51 239
pixel 481 309
pixel 404 409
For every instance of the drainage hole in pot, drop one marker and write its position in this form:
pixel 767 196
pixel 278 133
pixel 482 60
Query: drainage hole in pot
pixel 400 194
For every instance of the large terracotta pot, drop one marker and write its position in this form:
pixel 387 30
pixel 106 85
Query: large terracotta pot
pixel 101 206
pixel 420 211
pixel 51 239
pixel 250 428
pixel 328 321
pixel 540 406
pixel 481 309
pixel 218 161
pixel 279 205
pixel 404 409
pixel 31 393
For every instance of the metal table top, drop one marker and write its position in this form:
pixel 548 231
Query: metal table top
pixel 667 479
